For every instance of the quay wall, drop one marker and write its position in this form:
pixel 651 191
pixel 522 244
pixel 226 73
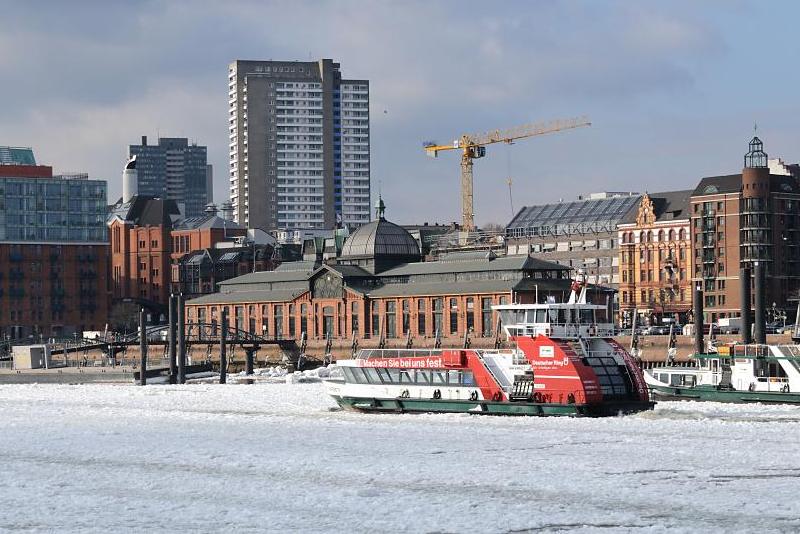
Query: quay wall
pixel 653 349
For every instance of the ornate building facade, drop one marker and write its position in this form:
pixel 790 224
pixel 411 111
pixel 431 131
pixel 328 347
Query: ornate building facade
pixel 655 259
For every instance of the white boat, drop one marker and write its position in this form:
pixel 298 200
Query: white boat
pixel 736 373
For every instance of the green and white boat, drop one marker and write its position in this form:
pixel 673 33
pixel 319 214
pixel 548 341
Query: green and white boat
pixel 736 373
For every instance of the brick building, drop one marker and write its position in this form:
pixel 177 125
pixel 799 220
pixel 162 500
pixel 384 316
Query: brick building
pixel 53 252
pixel 378 289
pixel 655 259
pixel 741 219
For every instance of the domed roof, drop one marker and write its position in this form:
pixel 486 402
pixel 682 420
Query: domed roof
pixel 380 238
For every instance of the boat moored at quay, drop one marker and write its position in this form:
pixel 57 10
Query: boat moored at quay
pixel 736 373
pixel 563 362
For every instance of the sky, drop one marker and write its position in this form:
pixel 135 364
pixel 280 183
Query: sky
pixel 673 89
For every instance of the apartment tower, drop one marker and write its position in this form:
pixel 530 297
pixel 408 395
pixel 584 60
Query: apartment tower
pixel 299 145
pixel 174 169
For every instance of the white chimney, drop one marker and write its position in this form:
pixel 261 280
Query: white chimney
pixel 130 181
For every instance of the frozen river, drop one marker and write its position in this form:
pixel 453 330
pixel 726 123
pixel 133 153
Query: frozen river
pixel 280 457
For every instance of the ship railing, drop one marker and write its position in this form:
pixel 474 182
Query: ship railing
pixel 397 353
pixel 582 329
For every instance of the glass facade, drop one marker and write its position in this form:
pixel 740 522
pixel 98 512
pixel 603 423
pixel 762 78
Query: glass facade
pixel 52 210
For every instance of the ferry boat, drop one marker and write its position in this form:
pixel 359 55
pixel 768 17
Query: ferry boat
pixel 735 373
pixel 564 362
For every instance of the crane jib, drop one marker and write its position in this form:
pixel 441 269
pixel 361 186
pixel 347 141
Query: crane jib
pixel 473 147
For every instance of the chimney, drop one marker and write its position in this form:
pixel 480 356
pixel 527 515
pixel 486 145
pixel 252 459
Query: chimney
pixel 760 325
pixel 130 181
pixel 144 140
pixel 699 345
pixel 747 318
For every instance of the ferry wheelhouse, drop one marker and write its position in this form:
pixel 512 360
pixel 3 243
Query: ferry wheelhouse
pixel 563 362
pixel 735 373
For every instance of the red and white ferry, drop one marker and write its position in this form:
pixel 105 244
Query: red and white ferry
pixel 564 362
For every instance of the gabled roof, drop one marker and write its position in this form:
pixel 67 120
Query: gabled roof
pixel 297 266
pixel 146 211
pixel 500 263
pixel 732 183
pixel 712 185
pixel 203 222
pixel 668 206
pixel 265 277
pixel 257 295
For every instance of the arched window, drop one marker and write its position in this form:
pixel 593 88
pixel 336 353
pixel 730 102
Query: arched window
pixel 671 235
pixel 649 236
pixel 661 235
pixel 641 237
pixel 682 234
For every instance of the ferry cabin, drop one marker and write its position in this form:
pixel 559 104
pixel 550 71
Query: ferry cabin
pixel 558 321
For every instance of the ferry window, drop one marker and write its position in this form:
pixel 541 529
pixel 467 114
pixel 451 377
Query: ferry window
pixel 689 380
pixel 383 375
pixel 405 378
pixel 530 317
pixel 675 380
pixel 422 377
pixel 372 375
pixel 541 316
pixel 348 374
pixel 587 316
pixel 394 375
pixel 454 378
pixel 663 377
pixel 439 377
pixel 601 316
pixel 469 379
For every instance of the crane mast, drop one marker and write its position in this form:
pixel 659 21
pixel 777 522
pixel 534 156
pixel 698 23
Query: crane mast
pixel 473 146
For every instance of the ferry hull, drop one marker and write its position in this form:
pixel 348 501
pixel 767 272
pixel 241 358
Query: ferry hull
pixel 483 407
pixel 712 394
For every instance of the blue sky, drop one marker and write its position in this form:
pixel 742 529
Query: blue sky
pixel 672 88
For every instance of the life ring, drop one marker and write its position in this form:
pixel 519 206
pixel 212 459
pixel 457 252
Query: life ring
pixel 537 397
pixel 437 394
pixel 785 388
pixel 751 387
pixel 497 396
pixel 473 396
pixel 405 394
pixel 571 398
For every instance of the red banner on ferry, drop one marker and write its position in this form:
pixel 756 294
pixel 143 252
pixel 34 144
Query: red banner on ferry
pixel 431 362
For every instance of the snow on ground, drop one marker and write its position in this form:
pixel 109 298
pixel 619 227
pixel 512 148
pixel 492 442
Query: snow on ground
pixel 282 457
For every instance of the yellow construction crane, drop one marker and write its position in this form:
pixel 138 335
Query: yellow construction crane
pixel 474 146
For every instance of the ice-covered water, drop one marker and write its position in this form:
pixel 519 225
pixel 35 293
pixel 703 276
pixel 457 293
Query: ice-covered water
pixel 281 457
